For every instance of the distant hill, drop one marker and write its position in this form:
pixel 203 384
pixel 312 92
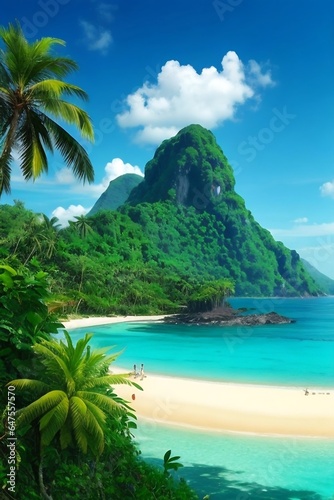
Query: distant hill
pixel 326 283
pixel 116 193
pixel 198 225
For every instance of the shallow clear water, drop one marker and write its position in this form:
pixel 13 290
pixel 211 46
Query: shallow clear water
pixel 239 466
pixel 300 353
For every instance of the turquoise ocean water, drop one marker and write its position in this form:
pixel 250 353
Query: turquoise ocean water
pixel 239 466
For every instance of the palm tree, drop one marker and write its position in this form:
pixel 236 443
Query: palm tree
pixel 50 234
pixel 50 224
pixel 227 288
pixel 210 295
pixel 32 94
pixel 74 397
pixel 82 224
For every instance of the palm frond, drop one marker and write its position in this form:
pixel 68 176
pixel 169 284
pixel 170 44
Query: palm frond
pixel 5 118
pixel 15 57
pixel 78 414
pixel 94 430
pixel 5 173
pixel 98 414
pixel 33 136
pixel 81 345
pixel 70 113
pixel 36 386
pixel 51 88
pixel 65 435
pixel 32 62
pixel 73 153
pixel 50 66
pixel 51 423
pixel 106 403
pixel 39 407
pixel 56 363
pixel 4 76
pixel 108 380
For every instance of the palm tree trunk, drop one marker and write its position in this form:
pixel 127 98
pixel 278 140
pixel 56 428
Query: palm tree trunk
pixel 42 488
pixel 17 245
pixel 30 255
pixel 78 304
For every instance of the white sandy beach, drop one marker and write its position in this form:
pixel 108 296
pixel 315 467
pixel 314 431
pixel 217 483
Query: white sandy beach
pixel 225 406
pixel 107 320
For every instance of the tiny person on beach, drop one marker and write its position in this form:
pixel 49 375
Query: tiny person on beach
pixel 142 371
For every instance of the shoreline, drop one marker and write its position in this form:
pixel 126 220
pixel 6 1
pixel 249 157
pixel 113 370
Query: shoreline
pixel 107 320
pixel 223 406
pixel 230 407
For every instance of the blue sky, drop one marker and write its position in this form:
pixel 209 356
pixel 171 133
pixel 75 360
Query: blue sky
pixel 258 73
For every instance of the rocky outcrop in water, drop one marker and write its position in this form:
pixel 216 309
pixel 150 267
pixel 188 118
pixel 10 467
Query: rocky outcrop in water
pixel 228 317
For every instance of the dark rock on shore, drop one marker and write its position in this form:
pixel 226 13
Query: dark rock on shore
pixel 228 317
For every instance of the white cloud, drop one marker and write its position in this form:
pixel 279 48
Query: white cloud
pixel 96 38
pixel 305 230
pixel 301 220
pixel 65 176
pixel 66 214
pixel 263 79
pixel 117 167
pixel 155 135
pixel 182 96
pixel 327 189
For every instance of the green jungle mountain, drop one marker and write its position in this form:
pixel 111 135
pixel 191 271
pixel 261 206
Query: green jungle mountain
pixel 200 226
pixel 117 193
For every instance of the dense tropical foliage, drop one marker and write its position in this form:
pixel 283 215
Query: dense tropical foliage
pixel 32 92
pixel 73 433
pixel 112 267
pixel 150 259
pixel 24 320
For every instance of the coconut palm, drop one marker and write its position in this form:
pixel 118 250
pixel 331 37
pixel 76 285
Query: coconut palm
pixel 50 234
pixel 210 295
pixel 82 225
pixel 32 92
pixel 226 288
pixel 74 397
